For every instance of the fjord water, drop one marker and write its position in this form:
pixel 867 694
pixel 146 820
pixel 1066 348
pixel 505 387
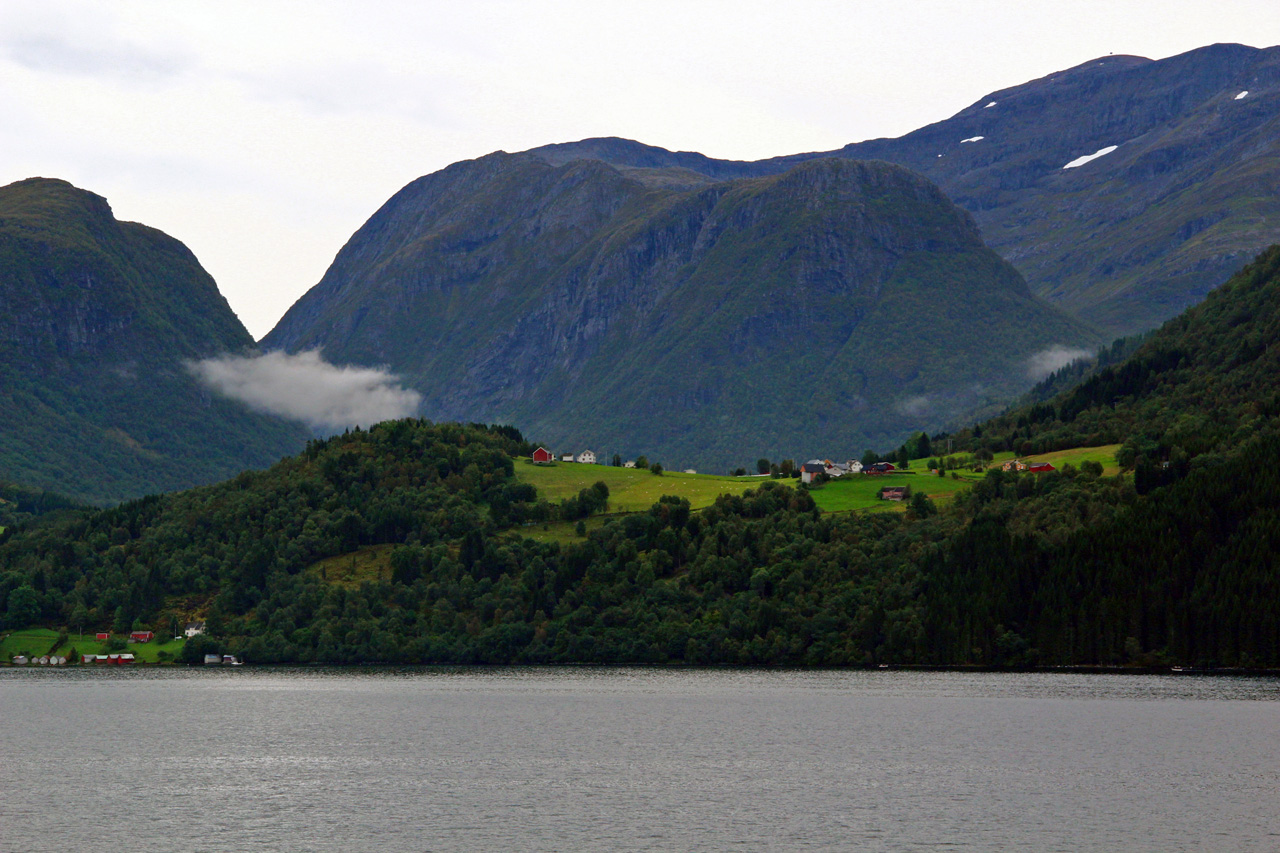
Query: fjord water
pixel 635 759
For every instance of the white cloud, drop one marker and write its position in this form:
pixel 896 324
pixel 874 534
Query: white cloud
pixel 307 388
pixel 912 407
pixel 1047 360
pixel 124 61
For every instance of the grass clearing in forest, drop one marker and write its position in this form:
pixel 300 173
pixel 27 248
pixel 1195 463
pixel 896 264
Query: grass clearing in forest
pixel 350 570
pixel 564 532
pixel 630 489
pixel 862 491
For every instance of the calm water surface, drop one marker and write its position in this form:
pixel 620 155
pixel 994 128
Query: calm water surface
pixel 605 759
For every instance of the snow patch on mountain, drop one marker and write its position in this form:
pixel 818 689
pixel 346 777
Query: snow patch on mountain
pixel 1101 152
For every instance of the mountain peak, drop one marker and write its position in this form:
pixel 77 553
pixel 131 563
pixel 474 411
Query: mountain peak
pixel 54 206
pixel 586 303
pixel 100 317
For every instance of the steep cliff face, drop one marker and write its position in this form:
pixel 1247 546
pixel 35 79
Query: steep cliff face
pixel 99 317
pixel 836 305
pixel 1183 197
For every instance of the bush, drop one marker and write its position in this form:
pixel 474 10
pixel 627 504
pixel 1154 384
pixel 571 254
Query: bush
pixel 197 647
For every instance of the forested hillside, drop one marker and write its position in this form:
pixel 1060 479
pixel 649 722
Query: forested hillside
pixel 1068 568
pixel 1192 393
pixel 1172 562
pixel 100 318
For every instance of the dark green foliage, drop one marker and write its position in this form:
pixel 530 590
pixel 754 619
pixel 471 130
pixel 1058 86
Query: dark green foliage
pixel 1200 385
pixel 1186 575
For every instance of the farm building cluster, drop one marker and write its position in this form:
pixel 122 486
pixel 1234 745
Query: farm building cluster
pixel 542 456
pixel 814 467
pixel 1029 467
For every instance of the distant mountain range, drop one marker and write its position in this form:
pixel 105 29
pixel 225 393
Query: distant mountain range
pixel 99 317
pixel 618 296
pixel 1182 197
pixel 836 305
pixel 614 294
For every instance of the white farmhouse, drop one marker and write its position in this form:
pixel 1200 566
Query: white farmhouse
pixel 587 457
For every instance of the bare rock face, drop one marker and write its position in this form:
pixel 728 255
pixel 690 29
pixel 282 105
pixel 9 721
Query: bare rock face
pixel 99 318
pixel 834 305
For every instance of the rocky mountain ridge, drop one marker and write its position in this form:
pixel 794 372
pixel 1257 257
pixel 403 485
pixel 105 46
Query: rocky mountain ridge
pixel 1183 196
pixel 650 310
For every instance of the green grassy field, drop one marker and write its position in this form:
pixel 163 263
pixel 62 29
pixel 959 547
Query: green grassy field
pixel 859 491
pixel 38 641
pixel 634 491
pixel 32 641
pixel 1105 454
pixel 630 490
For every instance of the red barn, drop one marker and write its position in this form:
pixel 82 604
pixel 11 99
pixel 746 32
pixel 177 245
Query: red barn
pixel 142 636
pixel 103 636
pixel 542 455
pixel 1041 468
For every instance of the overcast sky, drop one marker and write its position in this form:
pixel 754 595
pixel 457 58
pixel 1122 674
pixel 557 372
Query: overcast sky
pixel 263 134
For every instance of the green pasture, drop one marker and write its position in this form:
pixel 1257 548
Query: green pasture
pixel 31 641
pixel 1105 454
pixel 862 491
pixel 39 641
pixel 630 489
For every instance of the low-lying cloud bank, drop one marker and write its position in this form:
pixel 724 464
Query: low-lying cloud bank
pixel 912 407
pixel 1042 363
pixel 307 388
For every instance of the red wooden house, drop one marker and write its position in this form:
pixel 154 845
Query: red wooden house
pixel 103 636
pixel 142 636
pixel 542 455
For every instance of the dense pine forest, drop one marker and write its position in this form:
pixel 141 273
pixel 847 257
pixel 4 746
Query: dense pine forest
pixel 1170 563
